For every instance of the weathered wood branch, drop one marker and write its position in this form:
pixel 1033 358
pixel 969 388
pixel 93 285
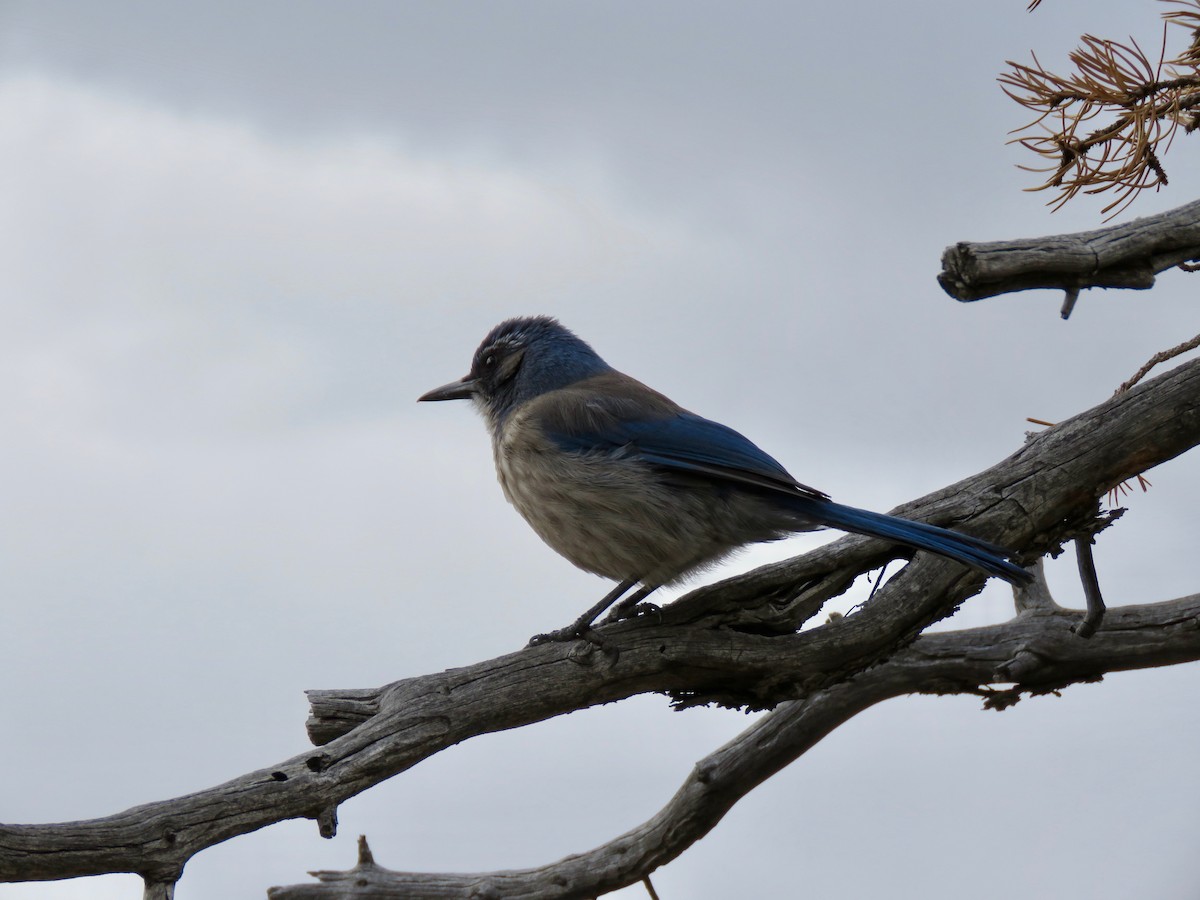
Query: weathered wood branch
pixel 1128 255
pixel 735 642
pixel 1043 494
pixel 1037 649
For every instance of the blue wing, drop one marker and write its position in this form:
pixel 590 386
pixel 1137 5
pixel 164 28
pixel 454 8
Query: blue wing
pixel 613 413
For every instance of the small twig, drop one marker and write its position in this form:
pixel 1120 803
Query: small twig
pixel 1072 294
pixel 1161 357
pixel 365 856
pixel 650 888
pixel 1091 589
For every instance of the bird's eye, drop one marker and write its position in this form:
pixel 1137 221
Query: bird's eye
pixel 489 360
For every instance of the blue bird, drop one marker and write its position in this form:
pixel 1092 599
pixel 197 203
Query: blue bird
pixel 631 486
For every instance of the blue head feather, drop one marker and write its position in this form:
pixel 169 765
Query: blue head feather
pixel 523 358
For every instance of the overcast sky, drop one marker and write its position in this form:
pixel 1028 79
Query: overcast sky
pixel 238 240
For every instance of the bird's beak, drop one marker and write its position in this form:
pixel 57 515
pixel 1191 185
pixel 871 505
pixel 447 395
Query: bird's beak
pixel 463 389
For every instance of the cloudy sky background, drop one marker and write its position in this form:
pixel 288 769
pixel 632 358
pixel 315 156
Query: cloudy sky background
pixel 237 241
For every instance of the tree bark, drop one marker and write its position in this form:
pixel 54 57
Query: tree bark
pixel 1128 255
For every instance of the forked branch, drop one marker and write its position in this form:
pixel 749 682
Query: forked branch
pixel 1037 649
pixel 736 643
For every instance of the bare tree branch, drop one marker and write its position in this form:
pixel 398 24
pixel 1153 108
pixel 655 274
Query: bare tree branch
pixel 1128 255
pixel 735 643
pixel 1037 649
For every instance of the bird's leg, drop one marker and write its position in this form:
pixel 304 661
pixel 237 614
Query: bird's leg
pixel 584 623
pixel 627 608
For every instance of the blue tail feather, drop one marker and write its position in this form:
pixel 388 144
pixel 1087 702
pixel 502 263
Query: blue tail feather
pixel 962 547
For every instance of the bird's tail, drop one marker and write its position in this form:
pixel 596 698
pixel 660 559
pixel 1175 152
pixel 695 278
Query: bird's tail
pixel 962 547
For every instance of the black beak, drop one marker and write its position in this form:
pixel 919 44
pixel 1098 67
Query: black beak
pixel 455 390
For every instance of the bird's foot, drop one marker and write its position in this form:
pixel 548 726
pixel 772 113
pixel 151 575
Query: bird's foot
pixel 621 613
pixel 572 632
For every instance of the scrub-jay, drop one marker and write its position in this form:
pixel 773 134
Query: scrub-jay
pixel 630 486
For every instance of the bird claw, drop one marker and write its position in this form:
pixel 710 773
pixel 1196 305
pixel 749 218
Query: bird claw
pixel 621 614
pixel 565 635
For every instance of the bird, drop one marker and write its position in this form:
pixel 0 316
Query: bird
pixel 626 484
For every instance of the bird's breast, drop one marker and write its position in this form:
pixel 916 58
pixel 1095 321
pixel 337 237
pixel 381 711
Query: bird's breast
pixel 610 513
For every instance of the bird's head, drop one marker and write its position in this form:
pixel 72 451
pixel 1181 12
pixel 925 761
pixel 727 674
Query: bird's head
pixel 521 359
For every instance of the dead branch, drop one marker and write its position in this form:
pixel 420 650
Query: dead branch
pixel 735 643
pixel 1038 649
pixel 1158 359
pixel 1139 101
pixel 1128 255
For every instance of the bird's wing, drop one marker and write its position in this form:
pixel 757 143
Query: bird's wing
pixel 618 416
pixel 607 415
